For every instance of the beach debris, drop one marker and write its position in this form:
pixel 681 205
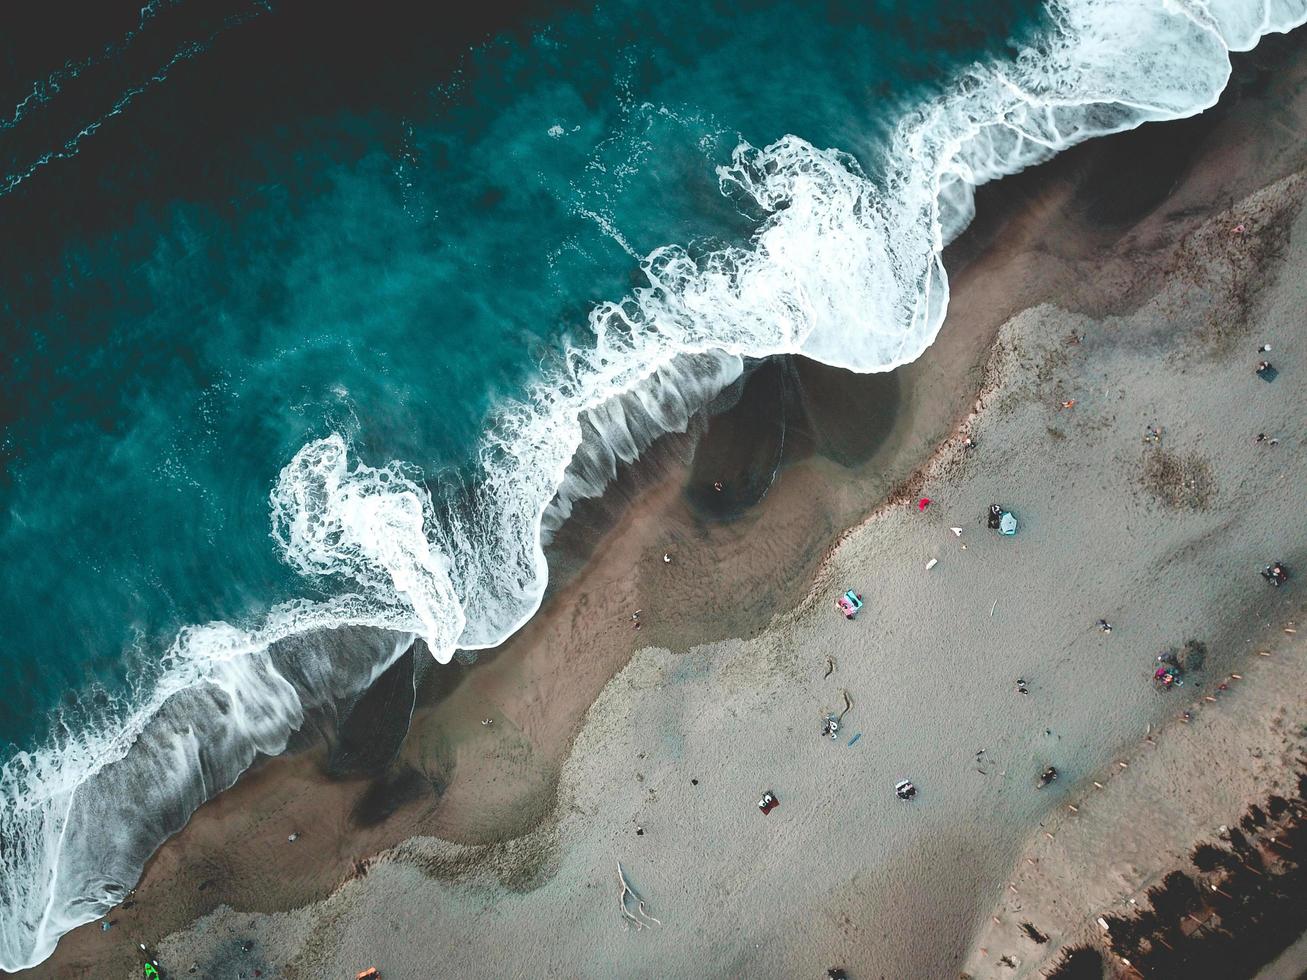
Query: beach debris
pixel 1277 574
pixel 1021 686
pixel 932 563
pixel 849 604
pixel 1073 808
pixel 1104 626
pixel 1035 935
pixel 830 667
pixel 1266 371
pixel 904 790
pixel 1069 403
pixel 854 739
pixel 957 531
pixel 292 838
pixel 1239 229
pixel 830 726
pixel 1262 439
pixel 636 913
pixel 667 557
pixel 371 973
pixel 694 782
pixel 1047 776
pixel 1152 434
pixel 848 704
pixel 992 608
pixel 768 802
pixel 1264 349
pixel 923 503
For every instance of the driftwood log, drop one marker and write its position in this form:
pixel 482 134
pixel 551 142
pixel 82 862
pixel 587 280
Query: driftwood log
pixel 637 914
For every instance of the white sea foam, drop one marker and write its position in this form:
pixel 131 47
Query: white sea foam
pixel 844 270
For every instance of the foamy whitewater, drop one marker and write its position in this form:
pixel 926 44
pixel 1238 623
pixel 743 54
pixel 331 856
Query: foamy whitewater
pixel 845 270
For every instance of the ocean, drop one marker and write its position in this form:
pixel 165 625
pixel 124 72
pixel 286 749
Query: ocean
pixel 317 324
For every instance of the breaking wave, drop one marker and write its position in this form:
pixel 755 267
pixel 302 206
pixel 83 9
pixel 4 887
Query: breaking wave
pixel 845 269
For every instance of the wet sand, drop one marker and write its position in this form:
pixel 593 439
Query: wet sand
pixel 587 744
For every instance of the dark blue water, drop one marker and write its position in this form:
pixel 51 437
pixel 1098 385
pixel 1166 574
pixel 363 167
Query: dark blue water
pixel 246 237
pixel 387 267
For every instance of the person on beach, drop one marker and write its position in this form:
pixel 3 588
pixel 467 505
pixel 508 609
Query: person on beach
pixel 995 516
pixel 1021 686
pixel 1276 574
pixel 1266 371
pixel 1104 626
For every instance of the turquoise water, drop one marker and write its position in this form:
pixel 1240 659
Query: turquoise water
pixel 388 274
pixel 305 320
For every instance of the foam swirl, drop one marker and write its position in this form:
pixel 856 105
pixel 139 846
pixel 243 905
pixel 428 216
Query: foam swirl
pixel 845 269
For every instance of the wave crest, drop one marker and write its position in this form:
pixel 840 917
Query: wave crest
pixel 844 269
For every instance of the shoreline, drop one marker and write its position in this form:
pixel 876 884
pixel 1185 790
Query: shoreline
pixel 527 679
pixel 663 775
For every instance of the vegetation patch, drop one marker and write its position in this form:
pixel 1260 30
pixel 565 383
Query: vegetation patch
pixel 1179 481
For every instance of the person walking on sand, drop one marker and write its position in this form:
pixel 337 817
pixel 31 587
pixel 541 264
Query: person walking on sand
pixel 1104 626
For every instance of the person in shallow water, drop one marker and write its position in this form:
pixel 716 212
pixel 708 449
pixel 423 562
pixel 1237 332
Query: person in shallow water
pixel 904 790
pixel 1047 776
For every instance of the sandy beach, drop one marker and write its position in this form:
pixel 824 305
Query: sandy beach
pixel 1123 290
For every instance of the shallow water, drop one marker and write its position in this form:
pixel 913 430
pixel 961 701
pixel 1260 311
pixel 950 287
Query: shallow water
pixel 252 257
